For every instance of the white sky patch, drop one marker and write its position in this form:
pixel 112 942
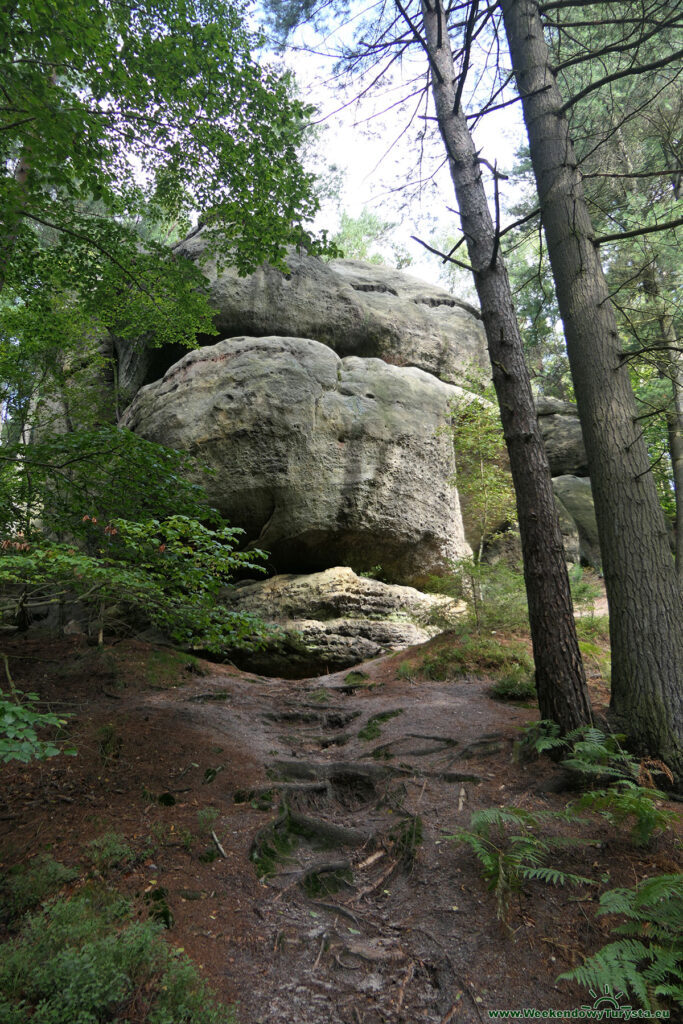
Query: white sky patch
pixel 367 139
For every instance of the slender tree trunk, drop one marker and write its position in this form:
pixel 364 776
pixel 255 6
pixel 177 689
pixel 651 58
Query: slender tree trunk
pixel 8 232
pixel 646 611
pixel 560 678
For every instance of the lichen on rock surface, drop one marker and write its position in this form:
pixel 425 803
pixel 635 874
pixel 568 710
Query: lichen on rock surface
pixel 322 461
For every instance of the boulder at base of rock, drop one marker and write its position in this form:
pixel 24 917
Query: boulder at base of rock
pixel 323 461
pixel 356 308
pixel 335 619
pixel 575 499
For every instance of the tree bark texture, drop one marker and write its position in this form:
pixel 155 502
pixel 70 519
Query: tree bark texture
pixel 671 363
pixel 560 678
pixel 670 366
pixel 646 611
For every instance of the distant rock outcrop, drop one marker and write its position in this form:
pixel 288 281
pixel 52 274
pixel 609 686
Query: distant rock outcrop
pixel 332 620
pixel 358 309
pixel 323 461
pixel 561 430
pixel 575 499
pixel 326 451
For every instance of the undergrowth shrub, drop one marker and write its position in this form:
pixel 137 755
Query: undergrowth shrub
pixel 593 627
pixel 516 685
pixel 110 851
pixel 647 961
pixel 25 886
pixel 495 595
pixel 83 960
pixel 476 653
pixel 585 588
pixel 599 656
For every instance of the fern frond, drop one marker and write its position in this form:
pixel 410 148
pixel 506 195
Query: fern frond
pixel 657 899
pixel 501 816
pixel 531 849
pixel 617 966
pixel 537 738
pixel 553 876
pixel 648 961
pixel 626 800
pixel 672 992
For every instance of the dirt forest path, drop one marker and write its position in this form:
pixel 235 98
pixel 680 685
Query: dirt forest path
pixel 296 835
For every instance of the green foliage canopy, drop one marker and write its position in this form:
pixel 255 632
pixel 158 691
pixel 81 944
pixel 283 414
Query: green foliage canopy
pixel 112 111
pixel 368 237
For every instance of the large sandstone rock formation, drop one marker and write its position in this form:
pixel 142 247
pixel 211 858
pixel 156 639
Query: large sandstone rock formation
pixel 356 308
pixel 323 461
pixel 334 619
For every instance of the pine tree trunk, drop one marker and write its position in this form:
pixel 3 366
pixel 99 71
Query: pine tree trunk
pixel 670 365
pixel 672 369
pixel 646 611
pixel 560 678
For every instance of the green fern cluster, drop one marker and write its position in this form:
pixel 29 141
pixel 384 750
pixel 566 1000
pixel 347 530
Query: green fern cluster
pixel 594 754
pixel 648 961
pixel 598 758
pixel 513 846
pixel 625 801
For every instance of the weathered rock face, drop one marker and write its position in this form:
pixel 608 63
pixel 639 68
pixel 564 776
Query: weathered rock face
pixel 356 308
pixel 571 539
pixel 575 500
pixel 332 620
pixel 323 461
pixel 561 430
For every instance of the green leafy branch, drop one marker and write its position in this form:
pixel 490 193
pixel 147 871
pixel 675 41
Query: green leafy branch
pixel 20 723
pixel 169 570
